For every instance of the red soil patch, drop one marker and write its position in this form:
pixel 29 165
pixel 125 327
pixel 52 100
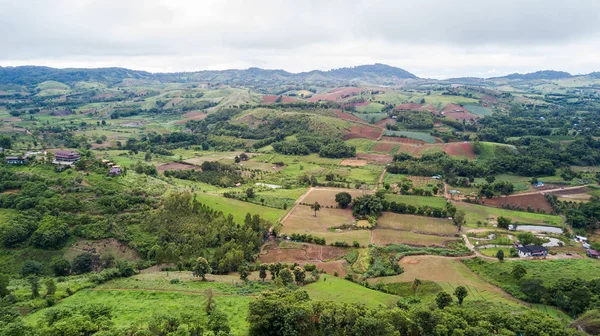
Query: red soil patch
pixel 363 131
pixel 377 158
pixel 403 140
pixel 192 115
pixel 489 99
pixel 385 147
pixel 336 94
pixel 416 107
pixel 464 149
pixel 457 112
pixel 355 104
pixel 303 253
pixel 347 116
pixel 104 96
pixel 387 121
pixel 176 166
pixel 535 201
pixel 574 191
pixel 270 99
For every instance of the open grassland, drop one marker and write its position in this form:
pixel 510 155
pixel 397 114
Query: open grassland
pixel 133 306
pixel 488 150
pixel 384 237
pixel 331 288
pixel 362 145
pixel 239 209
pixel 448 273
pixel 546 270
pixel 487 214
pixel 434 202
pixel 420 224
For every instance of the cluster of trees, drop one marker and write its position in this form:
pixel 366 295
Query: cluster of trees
pixel 584 216
pixel 288 313
pixel 498 187
pixel 574 296
pixel 304 145
pixel 214 173
pixel 373 205
pixel 428 211
pixel 413 120
pixel 307 238
pixel 436 164
pixel 183 229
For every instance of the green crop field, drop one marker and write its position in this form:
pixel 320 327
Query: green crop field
pixel 371 108
pixel 412 135
pixel 362 145
pixel 372 117
pixel 479 110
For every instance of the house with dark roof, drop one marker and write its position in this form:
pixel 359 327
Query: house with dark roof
pixel 15 160
pixel 532 251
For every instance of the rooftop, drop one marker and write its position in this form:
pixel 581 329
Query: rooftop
pixel 532 249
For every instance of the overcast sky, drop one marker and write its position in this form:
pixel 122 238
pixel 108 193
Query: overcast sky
pixel 430 38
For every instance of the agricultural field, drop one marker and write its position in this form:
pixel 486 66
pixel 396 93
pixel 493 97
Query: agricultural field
pixel 484 214
pixel 537 202
pixel 417 201
pixel 302 142
pixel 479 110
pixel 448 273
pixel 411 135
pixel 326 197
pixel 418 224
pixel 383 237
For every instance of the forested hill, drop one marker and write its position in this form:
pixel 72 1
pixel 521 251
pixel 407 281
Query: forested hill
pixel 33 75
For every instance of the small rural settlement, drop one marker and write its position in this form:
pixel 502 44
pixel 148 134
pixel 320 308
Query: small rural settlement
pixel 156 181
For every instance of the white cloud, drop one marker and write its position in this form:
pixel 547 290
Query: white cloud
pixel 429 38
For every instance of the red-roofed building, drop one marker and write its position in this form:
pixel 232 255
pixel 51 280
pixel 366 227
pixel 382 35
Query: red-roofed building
pixel 593 254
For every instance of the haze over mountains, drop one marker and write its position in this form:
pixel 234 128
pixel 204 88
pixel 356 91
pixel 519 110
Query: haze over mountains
pixel 375 73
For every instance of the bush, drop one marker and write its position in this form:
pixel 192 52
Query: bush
pixel 32 267
pixel 60 267
pixel 82 263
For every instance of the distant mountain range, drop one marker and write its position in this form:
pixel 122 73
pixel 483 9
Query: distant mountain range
pixel 375 74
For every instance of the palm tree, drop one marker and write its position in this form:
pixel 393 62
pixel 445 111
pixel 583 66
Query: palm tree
pixel 316 207
pixel 415 285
